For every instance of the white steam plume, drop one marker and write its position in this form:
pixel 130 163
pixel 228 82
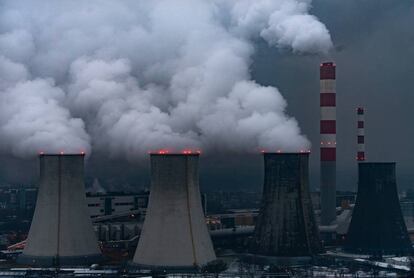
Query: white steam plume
pixel 131 76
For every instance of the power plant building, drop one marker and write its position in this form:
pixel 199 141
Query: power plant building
pixel 377 227
pixel 328 142
pixel 61 233
pixel 174 235
pixel 286 224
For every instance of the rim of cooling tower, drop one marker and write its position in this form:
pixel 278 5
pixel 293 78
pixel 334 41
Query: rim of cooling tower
pixel 167 269
pixel 62 154
pixel 287 153
pixel 174 154
pixel 50 261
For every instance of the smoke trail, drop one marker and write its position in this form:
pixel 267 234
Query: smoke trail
pixel 32 118
pixel 131 76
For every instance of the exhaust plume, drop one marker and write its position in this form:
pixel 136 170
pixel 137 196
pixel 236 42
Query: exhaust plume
pixel 126 77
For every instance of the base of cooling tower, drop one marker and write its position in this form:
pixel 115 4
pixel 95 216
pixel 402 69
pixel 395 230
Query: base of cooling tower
pixel 48 261
pixel 166 269
pixel 277 260
pixel 354 252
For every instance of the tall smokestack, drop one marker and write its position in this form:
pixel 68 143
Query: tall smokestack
pixel 61 233
pixel 328 142
pixel 286 224
pixel 377 227
pixel 361 134
pixel 174 235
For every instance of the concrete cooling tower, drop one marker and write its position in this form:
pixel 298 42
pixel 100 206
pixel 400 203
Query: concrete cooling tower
pixel 377 227
pixel 174 235
pixel 286 224
pixel 61 233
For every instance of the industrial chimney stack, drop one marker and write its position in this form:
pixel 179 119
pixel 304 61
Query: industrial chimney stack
pixel 286 224
pixel 61 232
pixel 377 227
pixel 328 142
pixel 174 235
pixel 361 134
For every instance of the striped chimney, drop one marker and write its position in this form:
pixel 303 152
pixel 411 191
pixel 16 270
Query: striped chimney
pixel 328 141
pixel 361 134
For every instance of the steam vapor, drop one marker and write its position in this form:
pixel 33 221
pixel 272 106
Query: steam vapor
pixel 125 77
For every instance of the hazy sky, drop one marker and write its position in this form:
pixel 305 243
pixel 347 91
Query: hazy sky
pixel 373 49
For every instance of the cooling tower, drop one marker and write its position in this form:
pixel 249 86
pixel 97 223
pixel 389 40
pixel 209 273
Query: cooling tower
pixel 61 233
pixel 377 227
pixel 328 142
pixel 286 224
pixel 174 235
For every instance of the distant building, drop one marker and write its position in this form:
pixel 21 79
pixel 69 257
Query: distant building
pixel 21 201
pixel 232 219
pixel 343 199
pixel 115 202
pixel 18 201
pixel 407 208
pixel 117 231
pixel 219 202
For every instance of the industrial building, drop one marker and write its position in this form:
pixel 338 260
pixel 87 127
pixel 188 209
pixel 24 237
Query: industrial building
pixel 286 224
pixel 328 142
pixel 115 202
pixel 174 235
pixel 61 232
pixel 377 227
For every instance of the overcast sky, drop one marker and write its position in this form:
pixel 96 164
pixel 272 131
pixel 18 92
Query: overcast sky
pixel 374 53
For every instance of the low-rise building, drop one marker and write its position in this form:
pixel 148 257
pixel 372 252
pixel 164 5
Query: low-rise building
pixel 115 203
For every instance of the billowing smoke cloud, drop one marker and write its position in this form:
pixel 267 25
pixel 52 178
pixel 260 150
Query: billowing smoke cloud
pixel 32 118
pixel 131 76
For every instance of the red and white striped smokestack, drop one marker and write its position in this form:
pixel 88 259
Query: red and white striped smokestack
pixel 328 141
pixel 361 134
